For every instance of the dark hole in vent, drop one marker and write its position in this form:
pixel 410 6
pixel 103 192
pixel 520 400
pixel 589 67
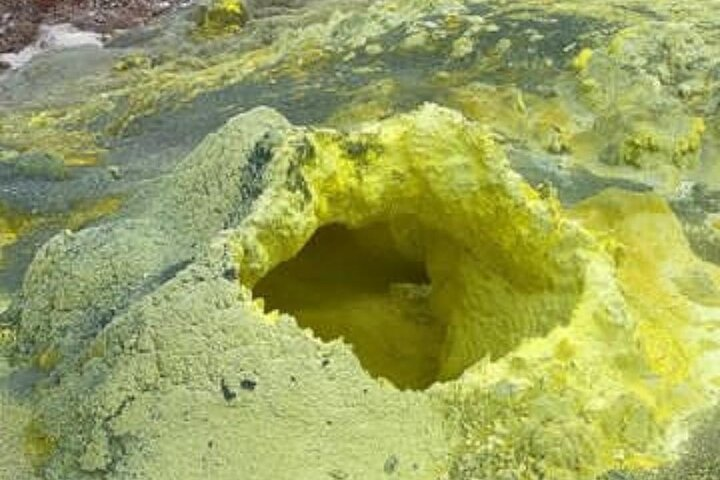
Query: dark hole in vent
pixel 357 285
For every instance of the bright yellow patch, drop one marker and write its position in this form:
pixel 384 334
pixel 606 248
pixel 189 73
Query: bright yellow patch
pixel 12 226
pixel 222 17
pixel 56 132
pixel 84 213
pixel 582 60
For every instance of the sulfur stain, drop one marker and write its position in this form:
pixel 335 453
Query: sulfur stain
pixel 582 60
pixel 12 226
pixel 15 225
pixel 48 358
pixel 59 132
pixel 84 213
pixel 221 17
pixel 38 445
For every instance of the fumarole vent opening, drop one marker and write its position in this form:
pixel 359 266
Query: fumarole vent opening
pixel 413 242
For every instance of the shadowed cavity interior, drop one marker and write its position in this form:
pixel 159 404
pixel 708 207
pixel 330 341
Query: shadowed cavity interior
pixel 357 285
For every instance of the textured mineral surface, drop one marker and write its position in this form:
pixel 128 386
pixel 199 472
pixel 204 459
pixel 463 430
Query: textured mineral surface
pixel 359 240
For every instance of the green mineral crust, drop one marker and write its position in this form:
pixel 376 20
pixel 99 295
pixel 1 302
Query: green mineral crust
pixel 413 239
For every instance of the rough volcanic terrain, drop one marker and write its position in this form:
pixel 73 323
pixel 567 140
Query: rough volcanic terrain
pixel 20 19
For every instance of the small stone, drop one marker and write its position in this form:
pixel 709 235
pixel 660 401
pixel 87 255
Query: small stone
pixel 416 41
pixel 373 49
pixel 503 45
pixel 248 384
pixel 114 172
pixel 231 273
pixel 228 394
pixel 557 143
pixel 391 464
pixel 462 47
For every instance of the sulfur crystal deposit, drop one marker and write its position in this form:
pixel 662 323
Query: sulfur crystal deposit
pixel 433 240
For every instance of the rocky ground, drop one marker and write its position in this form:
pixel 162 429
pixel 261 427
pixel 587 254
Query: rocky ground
pixel 546 181
pixel 20 19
